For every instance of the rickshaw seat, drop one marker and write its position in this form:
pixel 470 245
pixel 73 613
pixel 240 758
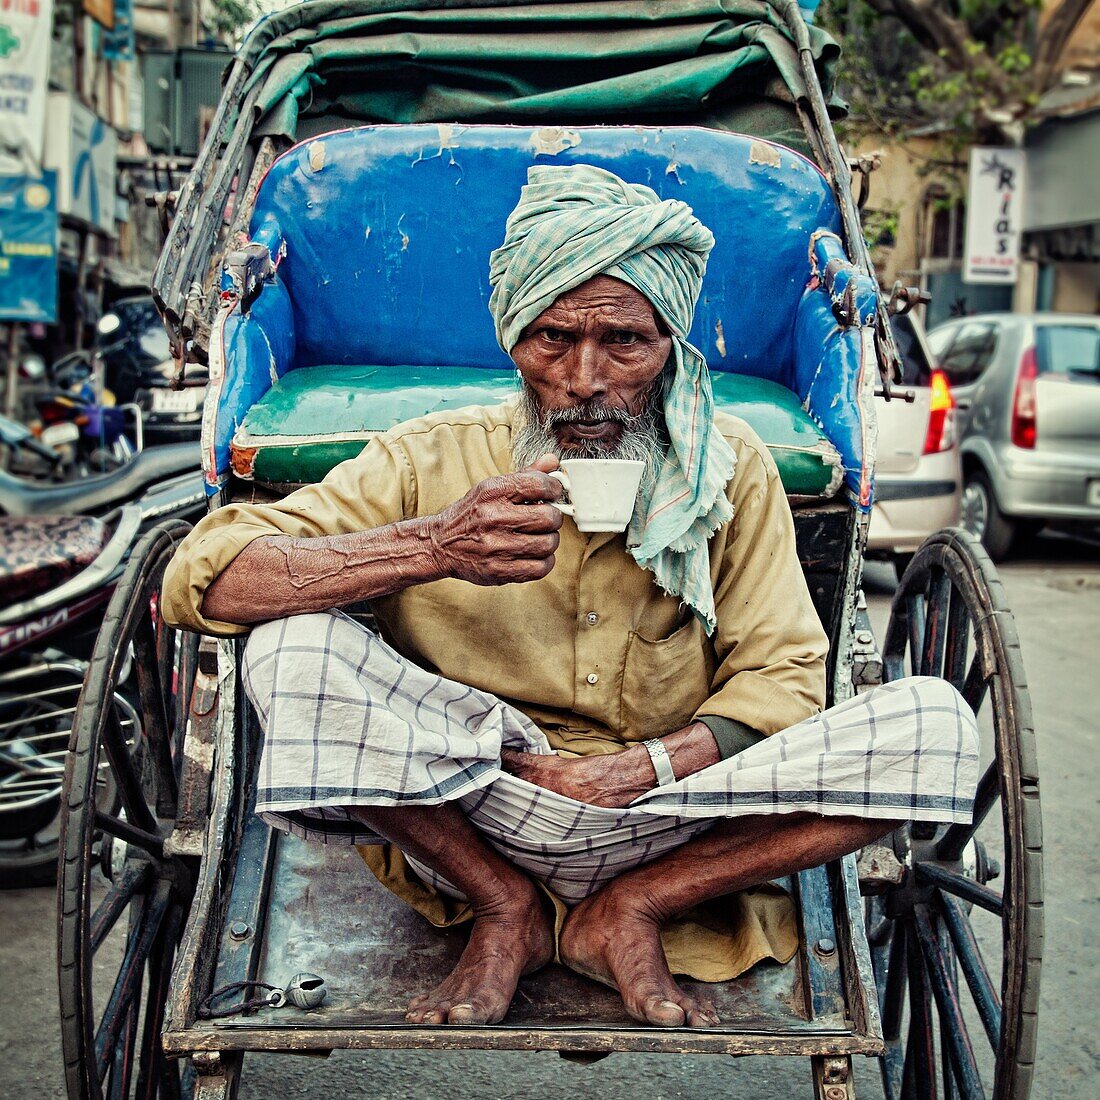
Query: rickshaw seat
pixel 380 238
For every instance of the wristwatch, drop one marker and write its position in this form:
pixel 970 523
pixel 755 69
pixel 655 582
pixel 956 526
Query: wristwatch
pixel 662 763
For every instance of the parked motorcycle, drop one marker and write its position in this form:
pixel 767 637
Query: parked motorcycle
pixel 62 550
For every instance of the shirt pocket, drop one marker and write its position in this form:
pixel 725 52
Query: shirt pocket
pixel 665 681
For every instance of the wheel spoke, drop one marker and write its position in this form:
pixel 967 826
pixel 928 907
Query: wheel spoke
pixel 919 1075
pixel 114 904
pixel 122 1064
pixel 127 985
pixel 973 966
pixel 951 882
pixel 975 685
pixel 935 624
pixel 153 1069
pixel 126 777
pixel 946 994
pixel 957 837
pixel 955 639
pixel 914 611
pixel 153 667
pixel 149 842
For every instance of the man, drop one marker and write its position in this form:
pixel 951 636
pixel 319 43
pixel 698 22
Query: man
pixel 586 713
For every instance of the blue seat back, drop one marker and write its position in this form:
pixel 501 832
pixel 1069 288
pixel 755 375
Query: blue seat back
pixel 385 234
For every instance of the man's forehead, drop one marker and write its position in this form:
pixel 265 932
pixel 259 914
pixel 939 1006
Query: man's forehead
pixel 606 295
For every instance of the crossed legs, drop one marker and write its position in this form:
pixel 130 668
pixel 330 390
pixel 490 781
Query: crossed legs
pixel 614 934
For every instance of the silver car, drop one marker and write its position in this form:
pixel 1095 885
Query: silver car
pixel 1027 388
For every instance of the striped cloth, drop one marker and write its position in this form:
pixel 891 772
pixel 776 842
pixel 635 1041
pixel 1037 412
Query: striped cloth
pixel 350 722
pixel 575 222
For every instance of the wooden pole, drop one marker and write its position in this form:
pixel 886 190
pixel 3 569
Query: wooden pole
pixel 11 389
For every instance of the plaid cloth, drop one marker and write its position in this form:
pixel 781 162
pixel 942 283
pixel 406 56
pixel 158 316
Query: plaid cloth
pixel 575 222
pixel 348 721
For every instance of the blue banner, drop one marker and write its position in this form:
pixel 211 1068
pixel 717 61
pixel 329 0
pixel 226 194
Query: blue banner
pixel 28 248
pixel 118 42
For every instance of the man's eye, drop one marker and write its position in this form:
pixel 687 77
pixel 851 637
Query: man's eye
pixel 555 335
pixel 624 336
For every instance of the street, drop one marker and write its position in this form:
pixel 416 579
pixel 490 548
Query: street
pixel 1055 595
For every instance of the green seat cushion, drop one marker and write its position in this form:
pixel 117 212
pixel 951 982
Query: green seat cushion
pixel 316 417
pixel 808 462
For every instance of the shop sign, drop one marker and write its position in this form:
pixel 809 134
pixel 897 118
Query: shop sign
pixel 25 31
pixel 994 213
pixel 28 248
pixel 82 148
pixel 118 42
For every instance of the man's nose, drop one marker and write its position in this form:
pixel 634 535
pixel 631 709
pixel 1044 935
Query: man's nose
pixel 587 377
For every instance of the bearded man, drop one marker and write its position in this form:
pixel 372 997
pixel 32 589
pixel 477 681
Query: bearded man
pixel 625 725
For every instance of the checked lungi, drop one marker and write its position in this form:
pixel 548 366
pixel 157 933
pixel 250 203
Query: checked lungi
pixel 348 722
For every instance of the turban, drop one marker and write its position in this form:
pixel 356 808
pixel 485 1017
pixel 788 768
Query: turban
pixel 571 224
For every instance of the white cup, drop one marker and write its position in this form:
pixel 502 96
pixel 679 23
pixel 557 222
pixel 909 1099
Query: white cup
pixel 601 491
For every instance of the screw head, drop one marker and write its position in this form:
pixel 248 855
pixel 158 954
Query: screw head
pixel 239 930
pixel 825 946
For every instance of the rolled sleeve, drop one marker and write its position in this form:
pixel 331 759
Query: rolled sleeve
pixel 375 489
pixel 770 645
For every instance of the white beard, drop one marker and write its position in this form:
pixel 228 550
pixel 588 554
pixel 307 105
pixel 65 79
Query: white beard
pixel 642 440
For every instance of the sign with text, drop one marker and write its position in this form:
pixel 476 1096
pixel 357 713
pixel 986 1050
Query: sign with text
pixel 28 248
pixel 994 211
pixel 118 42
pixel 25 31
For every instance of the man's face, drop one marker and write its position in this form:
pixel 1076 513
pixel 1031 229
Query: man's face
pixel 590 363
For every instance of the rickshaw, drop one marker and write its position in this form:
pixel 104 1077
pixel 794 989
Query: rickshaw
pixel 358 171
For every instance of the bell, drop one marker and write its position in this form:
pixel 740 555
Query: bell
pixel 305 990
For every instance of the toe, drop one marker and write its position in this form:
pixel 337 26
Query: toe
pixel 703 1014
pixel 467 1013
pixel 662 1012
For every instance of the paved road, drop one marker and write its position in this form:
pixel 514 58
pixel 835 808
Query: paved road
pixel 1056 597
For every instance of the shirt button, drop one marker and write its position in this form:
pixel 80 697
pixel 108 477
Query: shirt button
pixel 592 678
pixel 591 618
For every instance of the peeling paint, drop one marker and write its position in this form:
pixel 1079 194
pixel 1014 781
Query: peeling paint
pixel 366 235
pixel 316 150
pixel 673 170
pixel 404 235
pixel 551 140
pixel 719 338
pixel 760 152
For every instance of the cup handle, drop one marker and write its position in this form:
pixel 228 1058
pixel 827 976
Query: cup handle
pixel 560 477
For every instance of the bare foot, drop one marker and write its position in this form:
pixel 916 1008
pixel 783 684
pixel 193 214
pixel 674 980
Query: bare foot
pixel 612 939
pixel 504 945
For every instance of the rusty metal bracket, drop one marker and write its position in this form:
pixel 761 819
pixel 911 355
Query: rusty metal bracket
pixel 904 298
pixel 863 166
pixel 833 1078
pixel 250 268
pixel 165 203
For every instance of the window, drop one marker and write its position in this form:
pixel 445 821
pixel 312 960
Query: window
pixel 970 354
pixel 1069 349
pixel 915 368
pixel 945 225
pixel 940 340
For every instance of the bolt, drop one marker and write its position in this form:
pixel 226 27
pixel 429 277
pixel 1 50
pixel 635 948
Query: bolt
pixel 825 946
pixel 865 637
pixel 836 1092
pixel 239 930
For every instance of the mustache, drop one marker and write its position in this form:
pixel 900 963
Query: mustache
pixel 590 411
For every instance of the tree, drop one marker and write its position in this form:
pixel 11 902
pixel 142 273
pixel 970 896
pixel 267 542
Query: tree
pixel 971 70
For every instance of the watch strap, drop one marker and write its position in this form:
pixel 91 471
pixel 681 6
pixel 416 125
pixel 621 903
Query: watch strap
pixel 662 762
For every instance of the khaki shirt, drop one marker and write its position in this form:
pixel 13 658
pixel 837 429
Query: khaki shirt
pixel 595 653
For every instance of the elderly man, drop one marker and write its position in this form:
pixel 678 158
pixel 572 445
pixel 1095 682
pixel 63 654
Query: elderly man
pixel 625 724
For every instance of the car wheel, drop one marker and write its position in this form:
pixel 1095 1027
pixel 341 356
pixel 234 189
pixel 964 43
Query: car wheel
pixel 983 519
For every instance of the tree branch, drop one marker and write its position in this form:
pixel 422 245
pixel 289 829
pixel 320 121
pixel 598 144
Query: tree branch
pixel 1053 36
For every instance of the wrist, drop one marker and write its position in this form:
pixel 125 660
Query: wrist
pixel 428 531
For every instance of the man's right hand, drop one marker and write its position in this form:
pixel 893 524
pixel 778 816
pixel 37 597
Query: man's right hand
pixel 503 530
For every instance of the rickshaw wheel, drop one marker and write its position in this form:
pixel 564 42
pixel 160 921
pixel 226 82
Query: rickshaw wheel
pixel 122 899
pixel 974 1035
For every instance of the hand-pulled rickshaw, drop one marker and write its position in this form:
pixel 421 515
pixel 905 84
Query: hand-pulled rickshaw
pixel 358 171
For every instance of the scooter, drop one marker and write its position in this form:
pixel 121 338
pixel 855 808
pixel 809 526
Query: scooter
pixel 62 549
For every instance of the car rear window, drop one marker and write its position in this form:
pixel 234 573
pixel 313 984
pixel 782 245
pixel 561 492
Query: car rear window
pixel 1068 349
pixel 915 368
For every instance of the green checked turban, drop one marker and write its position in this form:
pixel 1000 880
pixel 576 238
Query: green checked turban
pixel 571 224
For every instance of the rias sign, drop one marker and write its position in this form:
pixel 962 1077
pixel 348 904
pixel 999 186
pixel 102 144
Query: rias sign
pixel 994 209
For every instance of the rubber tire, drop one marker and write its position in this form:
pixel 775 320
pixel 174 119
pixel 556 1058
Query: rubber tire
pixel 1000 531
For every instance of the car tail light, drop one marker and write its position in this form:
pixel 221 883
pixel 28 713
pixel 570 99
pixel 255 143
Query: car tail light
pixel 941 416
pixel 1023 403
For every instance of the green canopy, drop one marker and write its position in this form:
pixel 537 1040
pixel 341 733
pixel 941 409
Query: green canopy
pixel 730 64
